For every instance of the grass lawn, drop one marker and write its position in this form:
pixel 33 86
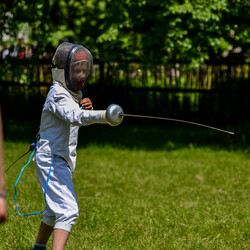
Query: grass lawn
pixel 141 187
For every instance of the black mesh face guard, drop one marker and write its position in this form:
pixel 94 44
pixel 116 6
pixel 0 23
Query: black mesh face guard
pixel 78 67
pixel 77 63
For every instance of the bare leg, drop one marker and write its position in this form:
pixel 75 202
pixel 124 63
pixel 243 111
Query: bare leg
pixel 44 233
pixel 59 239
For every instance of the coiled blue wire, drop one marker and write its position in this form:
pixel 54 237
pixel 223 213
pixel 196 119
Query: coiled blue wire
pixel 45 189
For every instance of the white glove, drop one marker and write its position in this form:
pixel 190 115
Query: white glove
pixel 112 115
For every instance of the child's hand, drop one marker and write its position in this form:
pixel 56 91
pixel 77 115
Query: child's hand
pixel 3 210
pixel 86 103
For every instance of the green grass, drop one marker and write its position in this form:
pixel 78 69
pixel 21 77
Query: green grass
pixel 141 187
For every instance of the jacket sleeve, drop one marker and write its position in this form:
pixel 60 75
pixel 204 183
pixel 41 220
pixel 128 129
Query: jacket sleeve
pixel 65 108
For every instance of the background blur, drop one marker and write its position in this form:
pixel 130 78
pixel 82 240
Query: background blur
pixel 185 59
pixel 145 184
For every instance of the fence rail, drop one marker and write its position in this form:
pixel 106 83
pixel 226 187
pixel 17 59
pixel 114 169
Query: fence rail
pixel 211 92
pixel 131 74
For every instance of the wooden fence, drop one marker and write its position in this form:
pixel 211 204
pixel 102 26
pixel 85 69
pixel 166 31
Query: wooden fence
pixel 211 92
pixel 131 74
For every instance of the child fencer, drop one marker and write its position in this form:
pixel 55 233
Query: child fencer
pixel 64 112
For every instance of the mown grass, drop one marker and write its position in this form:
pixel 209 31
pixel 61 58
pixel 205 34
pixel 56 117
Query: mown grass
pixel 141 187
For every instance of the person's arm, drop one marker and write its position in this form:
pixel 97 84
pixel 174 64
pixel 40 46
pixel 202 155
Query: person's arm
pixel 65 108
pixel 3 206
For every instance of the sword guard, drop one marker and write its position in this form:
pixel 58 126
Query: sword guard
pixel 114 115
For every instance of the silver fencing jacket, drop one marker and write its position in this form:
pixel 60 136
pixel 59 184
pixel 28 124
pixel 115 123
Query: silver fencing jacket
pixel 60 121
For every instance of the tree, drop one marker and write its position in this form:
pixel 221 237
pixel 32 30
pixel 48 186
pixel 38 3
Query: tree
pixel 155 31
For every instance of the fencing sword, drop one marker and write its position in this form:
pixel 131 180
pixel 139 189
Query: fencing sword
pixel 115 116
pixel 177 120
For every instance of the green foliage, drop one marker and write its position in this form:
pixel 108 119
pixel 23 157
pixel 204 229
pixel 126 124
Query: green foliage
pixel 156 32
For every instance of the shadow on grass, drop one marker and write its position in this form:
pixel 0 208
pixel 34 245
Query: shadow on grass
pixel 147 135
pixel 156 137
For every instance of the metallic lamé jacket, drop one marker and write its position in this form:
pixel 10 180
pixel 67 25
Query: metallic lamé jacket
pixel 60 121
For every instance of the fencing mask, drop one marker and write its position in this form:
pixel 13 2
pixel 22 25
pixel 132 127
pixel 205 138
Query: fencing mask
pixel 77 63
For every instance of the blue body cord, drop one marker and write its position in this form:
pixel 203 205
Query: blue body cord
pixel 45 189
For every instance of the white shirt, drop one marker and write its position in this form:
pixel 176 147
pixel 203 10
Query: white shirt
pixel 60 122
